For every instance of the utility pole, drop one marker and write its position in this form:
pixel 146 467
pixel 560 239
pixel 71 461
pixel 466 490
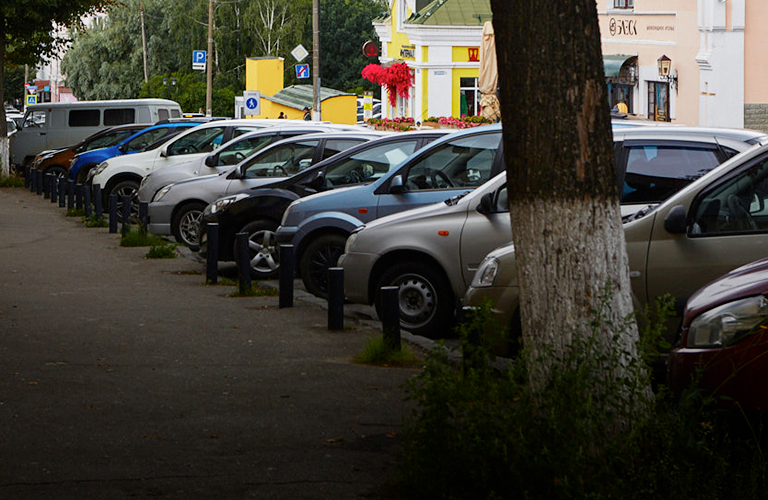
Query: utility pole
pixel 317 115
pixel 144 43
pixel 209 63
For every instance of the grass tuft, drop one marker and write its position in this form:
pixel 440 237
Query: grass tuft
pixel 378 352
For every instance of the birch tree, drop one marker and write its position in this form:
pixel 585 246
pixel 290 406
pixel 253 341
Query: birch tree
pixel 563 194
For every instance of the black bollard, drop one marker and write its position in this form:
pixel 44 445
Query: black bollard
pixel 27 169
pixel 243 262
pixel 87 201
pixel 125 214
pixel 113 213
pixel 143 216
pixel 39 181
pixel 70 194
pixel 336 298
pixel 32 180
pixel 78 196
pixel 62 192
pixel 287 266
pixel 390 316
pixel 55 189
pixel 97 199
pixel 212 254
pixel 47 186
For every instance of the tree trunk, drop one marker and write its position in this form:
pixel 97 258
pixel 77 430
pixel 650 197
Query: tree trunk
pixel 5 157
pixel 563 196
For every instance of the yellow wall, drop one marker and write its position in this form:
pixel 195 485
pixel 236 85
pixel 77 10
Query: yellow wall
pixel 264 75
pixel 461 54
pixel 340 109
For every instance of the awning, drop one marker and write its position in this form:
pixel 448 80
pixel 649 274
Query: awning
pixel 613 63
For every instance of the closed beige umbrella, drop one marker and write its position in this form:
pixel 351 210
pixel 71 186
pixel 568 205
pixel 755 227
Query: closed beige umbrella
pixel 488 76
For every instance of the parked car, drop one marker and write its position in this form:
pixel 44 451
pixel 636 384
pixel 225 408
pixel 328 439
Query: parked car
pixel 81 164
pixel 432 253
pixel 318 226
pixel 258 211
pixel 124 174
pixel 711 226
pixel 724 339
pixel 228 155
pixel 58 161
pixel 10 126
pixel 53 125
pixel 177 208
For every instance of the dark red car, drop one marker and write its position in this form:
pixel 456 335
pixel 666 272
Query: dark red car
pixel 725 335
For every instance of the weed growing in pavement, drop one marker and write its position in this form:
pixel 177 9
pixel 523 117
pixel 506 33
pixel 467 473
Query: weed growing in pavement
pixel 137 238
pixel 75 212
pixel 12 181
pixel 378 352
pixel 255 292
pixel 167 251
pixel 93 221
pixel 221 282
pixel 478 432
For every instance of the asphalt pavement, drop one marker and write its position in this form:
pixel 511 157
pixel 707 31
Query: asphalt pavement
pixel 126 377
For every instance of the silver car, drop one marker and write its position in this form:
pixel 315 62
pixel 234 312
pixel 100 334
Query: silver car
pixel 432 253
pixel 177 208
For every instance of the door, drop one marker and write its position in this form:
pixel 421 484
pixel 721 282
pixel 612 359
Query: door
pixel 658 101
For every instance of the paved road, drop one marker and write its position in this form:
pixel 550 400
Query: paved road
pixel 122 377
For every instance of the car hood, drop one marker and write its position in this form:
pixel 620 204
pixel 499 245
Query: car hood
pixel 201 178
pixel 745 281
pixel 417 214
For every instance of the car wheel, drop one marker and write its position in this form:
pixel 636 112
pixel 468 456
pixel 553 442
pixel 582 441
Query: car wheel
pixel 186 224
pixel 320 254
pixel 426 302
pixel 126 188
pixel 263 249
pixel 58 171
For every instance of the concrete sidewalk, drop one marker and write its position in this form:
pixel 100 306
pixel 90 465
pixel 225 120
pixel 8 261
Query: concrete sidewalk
pixel 122 377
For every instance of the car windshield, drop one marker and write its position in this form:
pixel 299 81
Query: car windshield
pixel 369 165
pixel 282 160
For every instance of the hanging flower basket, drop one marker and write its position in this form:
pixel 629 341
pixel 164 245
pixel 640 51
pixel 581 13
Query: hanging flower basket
pixel 397 79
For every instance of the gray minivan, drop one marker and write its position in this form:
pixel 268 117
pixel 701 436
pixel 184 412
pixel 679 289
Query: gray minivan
pixel 54 125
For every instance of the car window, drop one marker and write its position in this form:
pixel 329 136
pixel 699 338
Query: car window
pixel 735 206
pixel 108 139
pixel 282 160
pixel 199 141
pixel 238 131
pixel 334 146
pixel 235 153
pixel 464 161
pixel 654 173
pixel 368 165
pixel 145 139
pixel 34 119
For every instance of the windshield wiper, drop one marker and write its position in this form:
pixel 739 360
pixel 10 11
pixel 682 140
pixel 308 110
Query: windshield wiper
pixel 455 199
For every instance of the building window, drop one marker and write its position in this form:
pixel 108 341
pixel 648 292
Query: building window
pixel 658 101
pixel 623 4
pixel 469 96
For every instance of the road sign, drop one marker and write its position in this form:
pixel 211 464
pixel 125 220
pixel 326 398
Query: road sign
pixel 299 53
pixel 31 99
pixel 302 71
pixel 198 60
pixel 252 101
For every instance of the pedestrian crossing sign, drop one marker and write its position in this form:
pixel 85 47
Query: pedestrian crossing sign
pixel 31 99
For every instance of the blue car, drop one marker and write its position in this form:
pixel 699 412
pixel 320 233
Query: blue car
pixel 145 139
pixel 318 225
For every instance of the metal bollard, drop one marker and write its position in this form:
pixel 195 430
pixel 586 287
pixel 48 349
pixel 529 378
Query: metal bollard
pixel 125 214
pixel 243 262
pixel 98 200
pixel 87 200
pixel 62 192
pixel 32 180
pixel 113 213
pixel 336 298
pixel 27 170
pixel 287 266
pixel 70 194
pixel 78 196
pixel 39 181
pixel 55 188
pixel 390 316
pixel 143 216
pixel 47 186
pixel 212 254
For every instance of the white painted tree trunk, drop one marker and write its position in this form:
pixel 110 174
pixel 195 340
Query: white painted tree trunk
pixel 5 157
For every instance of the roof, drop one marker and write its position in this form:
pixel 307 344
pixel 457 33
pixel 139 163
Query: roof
pixel 453 13
pixel 301 96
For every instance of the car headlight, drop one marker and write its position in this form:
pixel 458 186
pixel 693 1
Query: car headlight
pixel 728 323
pixel 352 238
pixel 159 195
pixel 486 273
pixel 222 204
pixel 99 169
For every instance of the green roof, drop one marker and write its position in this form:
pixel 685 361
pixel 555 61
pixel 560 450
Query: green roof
pixel 299 96
pixel 453 13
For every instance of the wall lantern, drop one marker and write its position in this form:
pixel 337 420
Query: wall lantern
pixel 632 75
pixel 665 71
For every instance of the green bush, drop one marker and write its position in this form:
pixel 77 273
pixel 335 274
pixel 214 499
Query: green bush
pixel 482 433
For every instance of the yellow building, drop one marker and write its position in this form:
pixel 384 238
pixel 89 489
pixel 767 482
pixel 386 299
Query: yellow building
pixel 439 40
pixel 265 75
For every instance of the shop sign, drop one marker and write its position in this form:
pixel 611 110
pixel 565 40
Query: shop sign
pixel 474 54
pixel 408 52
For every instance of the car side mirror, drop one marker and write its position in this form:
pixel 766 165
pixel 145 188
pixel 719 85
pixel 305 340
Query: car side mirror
pixel 397 186
pixel 123 148
pixel 675 222
pixel 305 163
pixel 486 206
pixel 164 151
pixel 210 160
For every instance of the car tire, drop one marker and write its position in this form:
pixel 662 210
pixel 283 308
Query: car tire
pixel 59 171
pixel 427 305
pixel 185 225
pixel 264 252
pixel 320 255
pixel 126 188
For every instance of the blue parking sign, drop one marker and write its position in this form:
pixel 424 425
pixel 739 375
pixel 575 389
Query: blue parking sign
pixel 199 59
pixel 302 71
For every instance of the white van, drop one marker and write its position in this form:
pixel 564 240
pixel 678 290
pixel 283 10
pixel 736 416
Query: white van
pixel 53 125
